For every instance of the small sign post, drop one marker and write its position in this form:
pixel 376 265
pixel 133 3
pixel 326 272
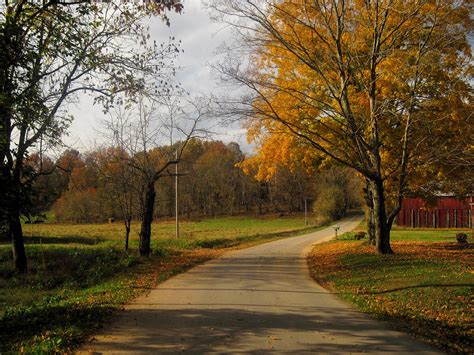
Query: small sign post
pixel 336 228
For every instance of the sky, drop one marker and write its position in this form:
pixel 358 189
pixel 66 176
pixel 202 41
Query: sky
pixel 200 39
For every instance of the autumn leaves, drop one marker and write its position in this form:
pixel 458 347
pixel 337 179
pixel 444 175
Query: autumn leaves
pixel 377 86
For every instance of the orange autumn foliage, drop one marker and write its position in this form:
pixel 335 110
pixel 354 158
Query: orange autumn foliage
pixel 384 87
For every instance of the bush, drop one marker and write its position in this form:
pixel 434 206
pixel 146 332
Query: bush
pixel 331 203
pixel 131 260
pixel 461 238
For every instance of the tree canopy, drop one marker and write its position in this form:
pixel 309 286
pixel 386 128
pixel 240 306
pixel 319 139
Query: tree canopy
pixel 380 86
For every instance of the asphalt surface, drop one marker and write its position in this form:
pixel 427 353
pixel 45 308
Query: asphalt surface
pixel 257 300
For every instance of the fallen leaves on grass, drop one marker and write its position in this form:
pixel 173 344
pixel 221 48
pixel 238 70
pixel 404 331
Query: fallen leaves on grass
pixel 58 323
pixel 323 261
pixel 424 288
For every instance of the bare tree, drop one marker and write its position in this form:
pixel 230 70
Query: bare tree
pixel 144 138
pixel 119 175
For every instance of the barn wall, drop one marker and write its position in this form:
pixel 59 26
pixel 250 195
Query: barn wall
pixel 448 212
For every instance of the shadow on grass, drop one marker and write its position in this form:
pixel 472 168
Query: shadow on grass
pixel 454 246
pixel 416 287
pixel 55 266
pixel 52 327
pixel 72 239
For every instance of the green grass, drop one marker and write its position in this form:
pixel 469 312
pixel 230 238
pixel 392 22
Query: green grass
pixel 426 288
pixel 79 274
pixel 417 235
pixel 227 227
pixel 427 235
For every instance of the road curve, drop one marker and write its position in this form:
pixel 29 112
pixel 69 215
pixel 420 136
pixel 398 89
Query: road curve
pixel 255 300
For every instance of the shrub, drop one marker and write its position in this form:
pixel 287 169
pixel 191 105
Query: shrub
pixel 131 260
pixel 461 238
pixel 331 203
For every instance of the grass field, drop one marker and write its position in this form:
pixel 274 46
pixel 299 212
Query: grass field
pixel 207 229
pixel 79 274
pixel 426 288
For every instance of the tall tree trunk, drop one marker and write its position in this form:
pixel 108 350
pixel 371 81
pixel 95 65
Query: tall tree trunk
pixel 382 228
pixel 147 218
pixel 370 213
pixel 18 246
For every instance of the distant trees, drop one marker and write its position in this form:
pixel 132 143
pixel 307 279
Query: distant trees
pixel 212 184
pixel 79 201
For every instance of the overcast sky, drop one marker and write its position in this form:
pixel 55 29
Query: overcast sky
pixel 200 38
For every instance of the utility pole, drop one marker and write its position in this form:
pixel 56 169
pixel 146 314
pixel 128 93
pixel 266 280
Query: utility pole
pixel 305 212
pixel 176 196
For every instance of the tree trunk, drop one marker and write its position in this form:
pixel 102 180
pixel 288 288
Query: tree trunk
pixel 371 224
pixel 127 223
pixel 147 218
pixel 370 213
pixel 18 246
pixel 382 228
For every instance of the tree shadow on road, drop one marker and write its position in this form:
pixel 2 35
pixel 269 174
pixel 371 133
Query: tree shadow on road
pixel 256 330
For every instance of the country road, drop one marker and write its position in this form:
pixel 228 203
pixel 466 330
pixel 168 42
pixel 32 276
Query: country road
pixel 255 300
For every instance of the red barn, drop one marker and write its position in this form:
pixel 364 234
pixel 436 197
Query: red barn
pixel 447 212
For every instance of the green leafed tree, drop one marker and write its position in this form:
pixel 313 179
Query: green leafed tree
pixel 50 51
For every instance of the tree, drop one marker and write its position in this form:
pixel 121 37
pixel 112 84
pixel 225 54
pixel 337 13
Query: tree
pixel 51 51
pixel 146 150
pixel 67 161
pixel 356 82
pixel 45 190
pixel 118 175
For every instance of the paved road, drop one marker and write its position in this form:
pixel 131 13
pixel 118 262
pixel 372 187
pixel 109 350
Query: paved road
pixel 256 300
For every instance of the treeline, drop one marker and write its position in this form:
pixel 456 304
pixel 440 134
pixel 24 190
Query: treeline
pixel 100 184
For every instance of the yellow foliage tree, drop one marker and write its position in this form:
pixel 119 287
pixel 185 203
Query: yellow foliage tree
pixel 371 84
